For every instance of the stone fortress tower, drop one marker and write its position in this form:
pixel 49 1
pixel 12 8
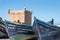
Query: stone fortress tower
pixel 21 16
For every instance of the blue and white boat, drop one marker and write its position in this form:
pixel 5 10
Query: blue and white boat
pixel 19 31
pixel 3 31
pixel 45 31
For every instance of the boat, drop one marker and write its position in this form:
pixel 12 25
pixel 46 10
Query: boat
pixel 19 31
pixel 45 31
pixel 3 31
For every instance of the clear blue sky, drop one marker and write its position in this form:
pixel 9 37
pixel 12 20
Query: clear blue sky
pixel 42 9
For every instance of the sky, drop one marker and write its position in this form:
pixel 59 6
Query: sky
pixel 42 9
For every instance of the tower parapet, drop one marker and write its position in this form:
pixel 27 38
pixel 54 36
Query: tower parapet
pixel 8 10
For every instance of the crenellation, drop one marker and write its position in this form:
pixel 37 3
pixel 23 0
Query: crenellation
pixel 8 10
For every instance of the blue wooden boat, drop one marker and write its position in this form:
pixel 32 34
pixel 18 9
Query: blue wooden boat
pixel 45 31
pixel 3 31
pixel 19 31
